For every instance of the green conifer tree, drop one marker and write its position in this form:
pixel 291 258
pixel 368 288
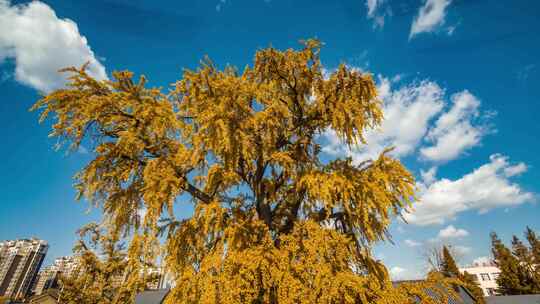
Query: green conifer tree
pixel 525 265
pixel 450 270
pixel 449 267
pixel 534 258
pixel 509 278
pixel 534 242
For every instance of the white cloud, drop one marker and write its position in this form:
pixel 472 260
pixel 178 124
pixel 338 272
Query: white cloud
pixel 429 176
pixel 485 188
pixel 378 12
pixel 452 232
pixel 396 272
pixel 454 131
pixel 40 44
pixel 372 6
pixel 461 250
pixel 515 170
pixel 483 260
pixel 399 273
pixel 412 243
pixel 409 113
pixel 430 16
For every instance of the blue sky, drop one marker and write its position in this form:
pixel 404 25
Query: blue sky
pixel 459 80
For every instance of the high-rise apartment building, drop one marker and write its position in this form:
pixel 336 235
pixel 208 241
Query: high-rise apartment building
pixel 46 278
pixel 20 261
pixel 49 276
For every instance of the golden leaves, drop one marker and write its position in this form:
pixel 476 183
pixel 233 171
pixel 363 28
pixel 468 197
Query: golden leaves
pixel 312 265
pixel 274 221
pixel 347 103
pixel 105 273
pixel 361 200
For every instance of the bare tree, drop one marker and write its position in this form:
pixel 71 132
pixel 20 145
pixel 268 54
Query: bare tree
pixel 432 254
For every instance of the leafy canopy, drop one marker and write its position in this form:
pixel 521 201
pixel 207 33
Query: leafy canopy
pixel 104 274
pixel 273 221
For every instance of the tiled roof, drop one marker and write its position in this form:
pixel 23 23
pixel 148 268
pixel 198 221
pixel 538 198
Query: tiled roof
pixel 151 296
pixel 520 299
pixel 465 296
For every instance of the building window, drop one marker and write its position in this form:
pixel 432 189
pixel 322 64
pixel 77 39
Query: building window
pixel 491 291
pixel 494 275
pixel 484 276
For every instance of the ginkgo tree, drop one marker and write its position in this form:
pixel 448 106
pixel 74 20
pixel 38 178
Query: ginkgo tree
pixel 273 220
pixel 102 265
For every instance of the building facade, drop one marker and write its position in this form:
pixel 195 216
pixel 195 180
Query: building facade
pixel 50 275
pixel 19 264
pixel 46 278
pixel 485 274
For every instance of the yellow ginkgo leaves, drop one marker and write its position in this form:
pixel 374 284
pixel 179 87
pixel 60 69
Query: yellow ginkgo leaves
pixel 274 221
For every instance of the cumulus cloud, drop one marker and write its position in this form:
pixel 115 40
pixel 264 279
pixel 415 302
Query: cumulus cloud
pixel 412 243
pixel 414 118
pixel 40 44
pixel 452 232
pixel 483 189
pixel 515 170
pixel 407 114
pixel 454 131
pixel 430 16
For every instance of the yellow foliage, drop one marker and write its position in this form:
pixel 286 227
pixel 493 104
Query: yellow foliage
pixel 273 222
pixel 104 274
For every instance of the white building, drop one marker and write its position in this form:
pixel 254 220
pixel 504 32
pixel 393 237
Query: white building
pixel 485 274
pixel 49 276
pixel 20 261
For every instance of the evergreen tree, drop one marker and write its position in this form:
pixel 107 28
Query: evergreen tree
pixel 534 258
pixel 520 271
pixel 449 269
pixel 525 265
pixel 510 279
pixel 534 242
